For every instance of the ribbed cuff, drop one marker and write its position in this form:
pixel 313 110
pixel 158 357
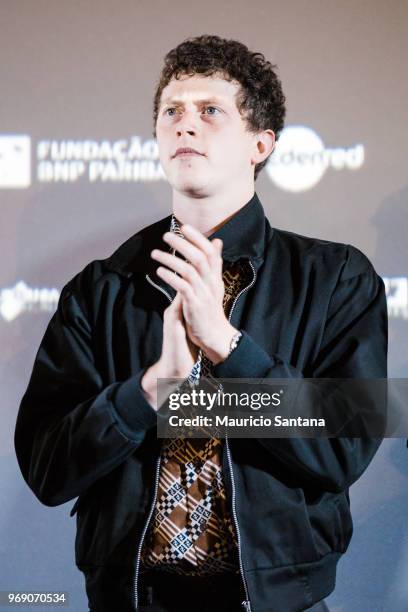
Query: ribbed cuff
pixel 133 411
pixel 247 360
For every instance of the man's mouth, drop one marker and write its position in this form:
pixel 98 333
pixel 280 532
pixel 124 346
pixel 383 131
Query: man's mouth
pixel 186 151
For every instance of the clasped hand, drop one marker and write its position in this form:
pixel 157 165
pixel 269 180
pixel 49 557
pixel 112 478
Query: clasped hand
pixel 201 288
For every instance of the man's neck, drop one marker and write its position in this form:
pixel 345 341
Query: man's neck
pixel 210 213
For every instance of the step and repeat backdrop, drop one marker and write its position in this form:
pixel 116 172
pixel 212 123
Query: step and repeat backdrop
pixel 80 173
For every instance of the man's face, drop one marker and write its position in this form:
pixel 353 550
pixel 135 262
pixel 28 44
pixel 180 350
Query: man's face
pixel 200 113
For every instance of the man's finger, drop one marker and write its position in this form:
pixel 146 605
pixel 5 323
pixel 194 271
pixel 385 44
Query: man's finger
pixel 192 253
pixel 219 244
pixel 178 283
pixel 184 269
pixel 197 238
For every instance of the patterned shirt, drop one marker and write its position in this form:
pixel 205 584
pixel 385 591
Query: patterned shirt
pixel 191 531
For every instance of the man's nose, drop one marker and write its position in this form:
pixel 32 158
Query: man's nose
pixel 187 123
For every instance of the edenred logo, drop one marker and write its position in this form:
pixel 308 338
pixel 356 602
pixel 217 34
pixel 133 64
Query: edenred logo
pixel 300 159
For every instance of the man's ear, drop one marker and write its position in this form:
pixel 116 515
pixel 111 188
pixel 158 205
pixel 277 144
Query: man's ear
pixel 264 144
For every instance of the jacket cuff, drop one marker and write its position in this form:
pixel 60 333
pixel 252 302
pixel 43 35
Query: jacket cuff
pixel 247 360
pixel 132 410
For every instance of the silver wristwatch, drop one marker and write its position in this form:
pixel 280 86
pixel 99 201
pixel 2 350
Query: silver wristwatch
pixel 234 341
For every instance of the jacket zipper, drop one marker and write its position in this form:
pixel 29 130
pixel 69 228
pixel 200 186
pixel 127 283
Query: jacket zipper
pixel 158 287
pixel 245 604
pixel 156 486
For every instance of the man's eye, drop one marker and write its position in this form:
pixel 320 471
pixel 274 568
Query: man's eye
pixel 170 111
pixel 212 110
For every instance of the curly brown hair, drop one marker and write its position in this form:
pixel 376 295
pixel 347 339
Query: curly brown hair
pixel 260 98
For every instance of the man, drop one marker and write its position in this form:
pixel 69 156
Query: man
pixel 212 289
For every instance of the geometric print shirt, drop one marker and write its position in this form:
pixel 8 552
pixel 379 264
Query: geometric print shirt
pixel 192 531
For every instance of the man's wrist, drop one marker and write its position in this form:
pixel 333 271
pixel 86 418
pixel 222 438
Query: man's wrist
pixel 148 384
pixel 219 348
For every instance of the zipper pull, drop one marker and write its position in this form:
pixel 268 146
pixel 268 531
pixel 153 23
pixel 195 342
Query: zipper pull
pixel 246 606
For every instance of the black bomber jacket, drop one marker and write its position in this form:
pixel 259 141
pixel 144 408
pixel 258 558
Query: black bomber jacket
pixel 84 430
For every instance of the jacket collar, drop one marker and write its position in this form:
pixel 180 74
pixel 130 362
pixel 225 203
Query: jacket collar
pixel 243 236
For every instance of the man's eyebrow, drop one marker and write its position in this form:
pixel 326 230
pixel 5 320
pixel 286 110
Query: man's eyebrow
pixel 213 100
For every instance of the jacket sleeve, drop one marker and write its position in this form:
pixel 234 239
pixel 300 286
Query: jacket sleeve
pixel 354 345
pixel 71 429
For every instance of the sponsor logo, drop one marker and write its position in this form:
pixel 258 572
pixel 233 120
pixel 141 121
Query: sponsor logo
pixel 21 298
pixel 126 160
pixel 300 159
pixel 15 161
pixel 396 289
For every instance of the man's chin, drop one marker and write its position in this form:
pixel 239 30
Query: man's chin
pixel 192 188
